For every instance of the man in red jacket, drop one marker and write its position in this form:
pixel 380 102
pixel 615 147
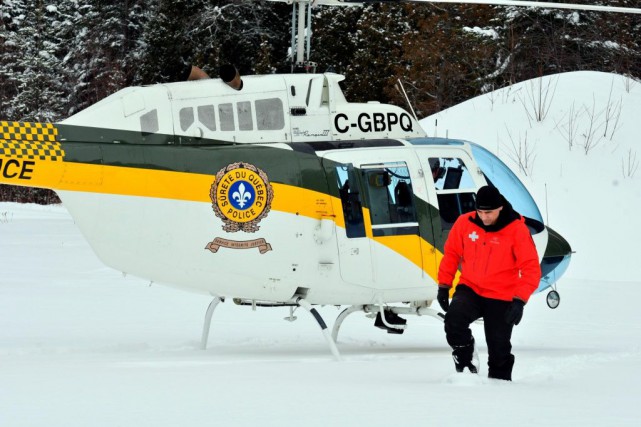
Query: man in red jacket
pixel 500 269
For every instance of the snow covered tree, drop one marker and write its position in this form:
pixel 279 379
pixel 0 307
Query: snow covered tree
pixel 446 56
pixel 33 76
pixel 168 39
pixel 102 50
pixel 618 35
pixel 210 34
pixel 378 52
pixel 12 15
pixel 229 32
pixel 536 42
pixel 332 41
pixel 365 44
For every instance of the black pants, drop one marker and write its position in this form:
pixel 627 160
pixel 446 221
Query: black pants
pixel 466 307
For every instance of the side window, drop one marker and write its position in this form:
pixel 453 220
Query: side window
pixel 348 188
pixel 390 199
pixel 186 116
pixel 455 188
pixel 245 121
pixel 226 114
pixel 269 114
pixel 207 116
pixel 149 122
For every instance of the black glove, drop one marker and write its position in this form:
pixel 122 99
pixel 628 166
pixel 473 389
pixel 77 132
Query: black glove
pixel 514 312
pixel 443 297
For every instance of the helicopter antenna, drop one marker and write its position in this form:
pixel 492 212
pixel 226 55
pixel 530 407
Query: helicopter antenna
pixel 402 88
pixel 547 212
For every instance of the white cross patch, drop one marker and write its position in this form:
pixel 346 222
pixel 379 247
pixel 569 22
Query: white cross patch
pixel 473 236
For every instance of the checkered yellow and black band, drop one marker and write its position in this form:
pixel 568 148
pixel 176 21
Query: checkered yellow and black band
pixel 25 140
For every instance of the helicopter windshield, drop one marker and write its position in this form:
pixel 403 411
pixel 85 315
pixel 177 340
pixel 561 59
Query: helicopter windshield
pixel 507 182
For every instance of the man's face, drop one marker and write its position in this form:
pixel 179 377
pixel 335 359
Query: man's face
pixel 489 217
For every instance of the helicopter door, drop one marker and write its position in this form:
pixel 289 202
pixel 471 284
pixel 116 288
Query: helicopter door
pixel 380 242
pixel 454 180
pixel 395 245
pixel 353 245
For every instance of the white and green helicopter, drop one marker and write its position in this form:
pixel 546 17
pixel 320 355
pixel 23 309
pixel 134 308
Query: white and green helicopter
pixel 270 191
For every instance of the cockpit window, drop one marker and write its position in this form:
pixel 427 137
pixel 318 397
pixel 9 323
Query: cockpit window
pixel 455 188
pixel 450 173
pixel 507 182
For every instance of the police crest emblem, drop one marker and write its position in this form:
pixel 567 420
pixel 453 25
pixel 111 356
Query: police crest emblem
pixel 241 197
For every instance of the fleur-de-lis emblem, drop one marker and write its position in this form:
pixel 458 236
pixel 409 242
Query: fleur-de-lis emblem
pixel 235 194
pixel 241 196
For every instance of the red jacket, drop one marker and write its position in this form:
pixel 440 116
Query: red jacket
pixel 500 264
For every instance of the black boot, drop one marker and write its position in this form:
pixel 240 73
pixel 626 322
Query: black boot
pixel 466 357
pixel 503 370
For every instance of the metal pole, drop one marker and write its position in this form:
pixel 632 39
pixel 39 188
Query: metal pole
pixel 300 40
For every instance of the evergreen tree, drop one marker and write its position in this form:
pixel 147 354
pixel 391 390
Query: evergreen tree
pixel 446 58
pixel 378 42
pixel 103 41
pixel 229 32
pixel 168 38
pixel 333 37
pixel 210 34
pixel 537 42
pixel 11 17
pixel 36 73
pixel 619 37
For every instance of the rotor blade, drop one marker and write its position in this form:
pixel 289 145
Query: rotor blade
pixel 536 4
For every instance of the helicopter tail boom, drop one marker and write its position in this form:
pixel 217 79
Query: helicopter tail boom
pixel 30 154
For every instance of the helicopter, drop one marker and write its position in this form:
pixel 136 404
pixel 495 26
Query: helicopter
pixel 270 191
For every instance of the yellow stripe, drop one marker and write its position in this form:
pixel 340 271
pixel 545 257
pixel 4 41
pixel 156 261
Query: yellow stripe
pixel 180 186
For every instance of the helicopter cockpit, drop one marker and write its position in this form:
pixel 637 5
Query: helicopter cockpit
pixel 556 259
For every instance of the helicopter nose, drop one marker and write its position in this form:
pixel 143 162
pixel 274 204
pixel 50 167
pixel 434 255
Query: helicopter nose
pixel 555 260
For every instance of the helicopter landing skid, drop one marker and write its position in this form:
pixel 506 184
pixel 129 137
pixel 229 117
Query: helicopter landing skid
pixel 331 341
pixel 208 316
pixel 375 308
pixel 299 302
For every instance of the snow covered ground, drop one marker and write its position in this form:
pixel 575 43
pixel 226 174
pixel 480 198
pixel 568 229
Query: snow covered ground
pixel 81 345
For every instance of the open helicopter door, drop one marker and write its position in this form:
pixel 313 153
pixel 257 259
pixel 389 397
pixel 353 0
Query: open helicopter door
pixel 379 242
pixel 454 180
